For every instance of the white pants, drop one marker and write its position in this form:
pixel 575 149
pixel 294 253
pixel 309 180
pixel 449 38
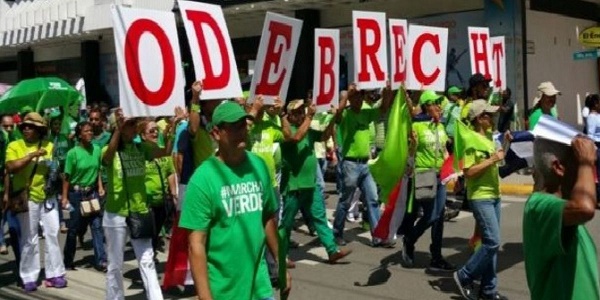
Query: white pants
pixel 29 269
pixel 116 237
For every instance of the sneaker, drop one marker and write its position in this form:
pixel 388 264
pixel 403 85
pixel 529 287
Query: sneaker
pixel 440 265
pixel 30 287
pixel 334 257
pixel 56 282
pixel 378 243
pixel 63 228
pixel 351 218
pixel 340 241
pixel 450 214
pixel 466 290
pixel 495 296
pixel 408 254
pixel 3 250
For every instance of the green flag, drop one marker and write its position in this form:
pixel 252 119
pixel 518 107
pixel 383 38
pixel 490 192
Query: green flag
pixel 387 169
pixel 464 136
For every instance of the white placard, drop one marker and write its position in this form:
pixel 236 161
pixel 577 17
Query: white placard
pixel 370 49
pixel 552 129
pixel 427 55
pixel 275 60
pixel 151 80
pixel 211 49
pixel 327 69
pixel 498 63
pixel 398 36
pixel 480 50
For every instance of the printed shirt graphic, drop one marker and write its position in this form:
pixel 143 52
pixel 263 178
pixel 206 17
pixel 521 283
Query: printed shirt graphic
pixel 19 149
pixel 82 166
pixel 135 169
pixel 230 206
pixel 427 143
pixel 560 262
pixel 154 187
pixel 264 142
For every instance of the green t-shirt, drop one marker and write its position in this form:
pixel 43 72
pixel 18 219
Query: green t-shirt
pixel 230 205
pixel 430 147
pixel 535 116
pixel 120 190
pixel 82 165
pixel 19 149
pixel 154 187
pixel 264 142
pixel 356 133
pixel 299 162
pixel 560 262
pixel 487 185
pixel 450 115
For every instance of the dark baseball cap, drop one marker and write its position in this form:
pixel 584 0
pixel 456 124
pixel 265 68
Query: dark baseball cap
pixel 478 78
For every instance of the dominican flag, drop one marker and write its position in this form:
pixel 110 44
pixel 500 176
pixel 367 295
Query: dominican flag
pixel 393 214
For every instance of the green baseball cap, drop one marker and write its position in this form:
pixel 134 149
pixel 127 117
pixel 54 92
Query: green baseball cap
pixel 429 97
pixel 454 90
pixel 25 109
pixel 228 112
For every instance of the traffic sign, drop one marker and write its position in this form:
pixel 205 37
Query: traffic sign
pixel 587 54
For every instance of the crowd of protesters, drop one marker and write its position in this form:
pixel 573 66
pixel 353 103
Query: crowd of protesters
pixel 225 181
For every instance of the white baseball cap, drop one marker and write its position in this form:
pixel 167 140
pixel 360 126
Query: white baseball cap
pixel 545 88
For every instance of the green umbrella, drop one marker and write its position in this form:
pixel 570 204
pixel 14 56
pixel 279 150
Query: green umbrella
pixel 38 93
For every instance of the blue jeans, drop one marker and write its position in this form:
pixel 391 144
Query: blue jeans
pixel 2 222
pixel 356 175
pixel 482 264
pixel 433 216
pixel 75 222
pixel 321 169
pixel 14 230
pixel 339 174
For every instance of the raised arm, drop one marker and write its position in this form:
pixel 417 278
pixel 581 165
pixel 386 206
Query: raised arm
pixel 582 205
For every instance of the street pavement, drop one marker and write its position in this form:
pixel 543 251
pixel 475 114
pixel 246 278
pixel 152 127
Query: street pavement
pixel 368 273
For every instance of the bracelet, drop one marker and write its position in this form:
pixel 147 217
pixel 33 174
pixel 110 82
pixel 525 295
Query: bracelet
pixel 195 108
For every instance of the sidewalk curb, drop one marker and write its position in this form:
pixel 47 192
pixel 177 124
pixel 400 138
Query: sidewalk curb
pixel 506 189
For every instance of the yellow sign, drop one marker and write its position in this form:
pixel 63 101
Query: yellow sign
pixel 590 37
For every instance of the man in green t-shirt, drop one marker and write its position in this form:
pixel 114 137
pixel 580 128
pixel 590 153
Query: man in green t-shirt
pixel 560 255
pixel 229 208
pixel 354 125
pixel 298 176
pixel 544 103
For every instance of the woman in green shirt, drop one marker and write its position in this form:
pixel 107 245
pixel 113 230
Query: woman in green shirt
pixel 82 182
pixel 160 180
pixel 125 164
pixel 483 187
pixel 431 138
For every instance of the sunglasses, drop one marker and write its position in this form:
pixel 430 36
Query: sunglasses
pixel 152 130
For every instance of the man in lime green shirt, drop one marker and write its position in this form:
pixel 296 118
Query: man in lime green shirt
pixel 228 195
pixel 298 182
pixel 560 255
pixel 483 187
pixel 354 125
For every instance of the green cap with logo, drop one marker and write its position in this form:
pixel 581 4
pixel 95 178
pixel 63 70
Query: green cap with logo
pixel 429 97
pixel 228 112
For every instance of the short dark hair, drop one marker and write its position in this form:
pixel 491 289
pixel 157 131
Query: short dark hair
pixel 80 126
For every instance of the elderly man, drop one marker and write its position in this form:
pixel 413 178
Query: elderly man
pixel 560 255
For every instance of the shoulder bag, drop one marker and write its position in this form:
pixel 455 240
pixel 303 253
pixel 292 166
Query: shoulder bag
pixel 88 205
pixel 426 181
pixel 141 225
pixel 18 201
